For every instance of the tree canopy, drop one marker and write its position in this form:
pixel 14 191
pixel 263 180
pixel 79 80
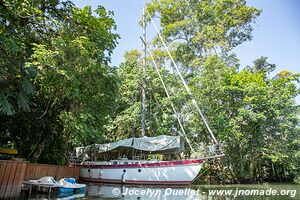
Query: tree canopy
pixel 59 91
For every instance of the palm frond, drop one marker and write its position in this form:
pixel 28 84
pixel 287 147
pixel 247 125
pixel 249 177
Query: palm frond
pixel 5 106
pixel 26 86
pixel 23 101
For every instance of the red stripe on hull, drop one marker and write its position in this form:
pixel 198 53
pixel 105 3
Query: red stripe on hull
pixel 137 181
pixel 157 164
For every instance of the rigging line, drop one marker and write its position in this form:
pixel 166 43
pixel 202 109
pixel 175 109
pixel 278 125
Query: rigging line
pixel 173 107
pixel 184 83
pixel 144 110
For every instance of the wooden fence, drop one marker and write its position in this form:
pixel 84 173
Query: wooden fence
pixel 36 171
pixel 11 177
pixel 12 174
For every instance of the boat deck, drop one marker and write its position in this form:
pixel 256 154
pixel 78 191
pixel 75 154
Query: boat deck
pixel 39 187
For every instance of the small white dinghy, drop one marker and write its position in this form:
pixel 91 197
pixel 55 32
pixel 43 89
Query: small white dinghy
pixel 65 185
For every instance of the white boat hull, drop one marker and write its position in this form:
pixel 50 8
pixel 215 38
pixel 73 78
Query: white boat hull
pixel 160 172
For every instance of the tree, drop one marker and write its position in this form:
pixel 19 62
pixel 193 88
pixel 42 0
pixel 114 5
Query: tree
pixel 248 111
pixel 21 24
pixel 66 51
pixel 160 117
pixel 195 29
pixel 255 117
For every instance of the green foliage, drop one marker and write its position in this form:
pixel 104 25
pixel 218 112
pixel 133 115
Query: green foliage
pixel 21 24
pixel 57 85
pixel 256 119
pixel 198 28
pixel 160 117
pixel 57 89
pixel 254 116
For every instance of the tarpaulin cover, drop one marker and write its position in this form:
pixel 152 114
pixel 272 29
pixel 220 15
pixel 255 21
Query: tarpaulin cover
pixel 158 144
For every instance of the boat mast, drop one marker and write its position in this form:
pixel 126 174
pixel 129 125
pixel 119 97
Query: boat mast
pixel 185 84
pixel 144 76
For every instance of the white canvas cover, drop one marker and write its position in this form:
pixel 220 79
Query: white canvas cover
pixel 158 144
pixel 111 146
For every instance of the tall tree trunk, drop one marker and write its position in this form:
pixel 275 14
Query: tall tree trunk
pixel 251 166
pixel 39 149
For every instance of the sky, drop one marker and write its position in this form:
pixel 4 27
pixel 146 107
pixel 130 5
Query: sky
pixel 276 33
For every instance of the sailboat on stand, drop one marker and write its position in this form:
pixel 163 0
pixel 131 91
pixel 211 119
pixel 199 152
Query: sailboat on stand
pixel 134 167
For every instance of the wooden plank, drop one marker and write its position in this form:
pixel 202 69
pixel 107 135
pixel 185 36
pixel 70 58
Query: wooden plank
pixel 36 171
pixel 18 180
pixel 77 172
pixel 73 172
pixel 11 176
pixel 22 177
pixel 64 173
pixel 53 170
pixel 27 171
pixel 59 172
pixel 11 179
pixel 2 170
pixel 69 172
pixel 3 166
pixel 5 180
pixel 31 172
